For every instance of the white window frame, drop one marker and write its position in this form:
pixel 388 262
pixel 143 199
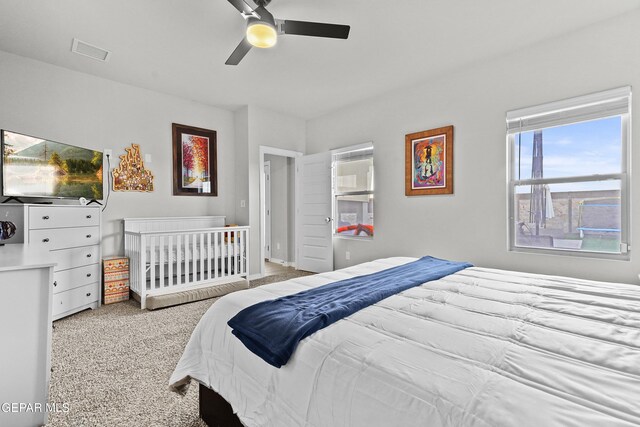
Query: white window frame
pixel 615 102
pixel 334 194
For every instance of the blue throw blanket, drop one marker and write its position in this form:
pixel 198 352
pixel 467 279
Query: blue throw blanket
pixel 272 329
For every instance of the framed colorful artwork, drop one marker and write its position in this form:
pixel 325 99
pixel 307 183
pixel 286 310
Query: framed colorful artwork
pixel 131 174
pixel 429 162
pixel 195 171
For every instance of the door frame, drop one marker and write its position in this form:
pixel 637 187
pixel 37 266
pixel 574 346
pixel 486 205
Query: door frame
pixel 267 205
pixel 264 149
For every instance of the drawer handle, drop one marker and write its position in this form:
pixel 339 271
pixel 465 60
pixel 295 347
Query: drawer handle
pixel 88 294
pixel 88 274
pixel 55 283
pixel 45 217
pixel 88 236
pixel 88 216
pixel 45 240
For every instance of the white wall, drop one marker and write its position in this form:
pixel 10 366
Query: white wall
pixel 241 118
pixel 271 129
pixel 66 106
pixel 471 224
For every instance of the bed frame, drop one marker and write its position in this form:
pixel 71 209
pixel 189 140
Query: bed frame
pixel 174 254
pixel 215 411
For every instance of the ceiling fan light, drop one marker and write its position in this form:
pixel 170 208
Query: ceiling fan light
pixel 261 34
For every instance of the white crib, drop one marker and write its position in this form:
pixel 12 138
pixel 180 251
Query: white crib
pixel 174 254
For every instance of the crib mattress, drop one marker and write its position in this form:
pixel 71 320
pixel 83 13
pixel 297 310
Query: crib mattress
pixel 155 302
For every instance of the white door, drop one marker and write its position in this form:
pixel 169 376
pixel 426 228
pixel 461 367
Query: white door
pixel 267 209
pixel 313 213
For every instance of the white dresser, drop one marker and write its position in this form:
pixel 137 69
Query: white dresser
pixel 73 235
pixel 25 334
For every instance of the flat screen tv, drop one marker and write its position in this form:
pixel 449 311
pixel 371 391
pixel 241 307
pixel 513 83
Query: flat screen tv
pixel 36 167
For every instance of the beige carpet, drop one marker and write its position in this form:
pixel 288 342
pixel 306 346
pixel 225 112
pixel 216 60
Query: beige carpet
pixel 112 365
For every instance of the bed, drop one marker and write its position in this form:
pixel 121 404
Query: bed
pixel 174 255
pixel 480 347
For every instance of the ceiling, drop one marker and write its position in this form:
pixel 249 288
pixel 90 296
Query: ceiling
pixel 179 47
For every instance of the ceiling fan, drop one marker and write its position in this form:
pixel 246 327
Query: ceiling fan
pixel 263 29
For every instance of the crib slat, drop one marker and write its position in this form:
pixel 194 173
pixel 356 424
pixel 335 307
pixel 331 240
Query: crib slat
pixel 136 260
pixel 186 260
pixel 242 237
pixel 228 254
pixel 231 255
pixel 127 253
pixel 194 258
pixel 132 257
pixel 209 255
pixel 203 255
pixel 216 251
pixel 223 252
pixel 246 254
pixel 236 266
pixel 179 259
pixel 152 261
pixel 162 262
pixel 143 273
pixel 239 253
pixel 170 261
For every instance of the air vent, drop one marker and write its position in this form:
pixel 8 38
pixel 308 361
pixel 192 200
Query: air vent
pixel 89 50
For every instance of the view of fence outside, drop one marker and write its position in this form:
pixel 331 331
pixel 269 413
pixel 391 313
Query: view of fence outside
pixel 582 220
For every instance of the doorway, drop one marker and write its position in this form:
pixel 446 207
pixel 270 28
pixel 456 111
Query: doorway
pixel 277 209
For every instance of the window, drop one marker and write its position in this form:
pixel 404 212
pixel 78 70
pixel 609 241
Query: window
pixel 569 175
pixel 353 191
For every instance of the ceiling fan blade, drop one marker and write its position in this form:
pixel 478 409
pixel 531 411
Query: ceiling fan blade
pixel 239 53
pixel 244 8
pixel 315 29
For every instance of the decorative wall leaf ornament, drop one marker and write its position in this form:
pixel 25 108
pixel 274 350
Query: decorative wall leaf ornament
pixel 131 174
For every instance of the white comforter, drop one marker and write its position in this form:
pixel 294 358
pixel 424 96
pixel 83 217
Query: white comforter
pixel 481 347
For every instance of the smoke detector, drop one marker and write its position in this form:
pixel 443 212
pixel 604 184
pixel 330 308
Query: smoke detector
pixel 86 49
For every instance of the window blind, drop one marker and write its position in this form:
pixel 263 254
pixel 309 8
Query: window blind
pixel 588 107
pixel 360 152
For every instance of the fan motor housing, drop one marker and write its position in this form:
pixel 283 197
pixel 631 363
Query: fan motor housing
pixel 265 16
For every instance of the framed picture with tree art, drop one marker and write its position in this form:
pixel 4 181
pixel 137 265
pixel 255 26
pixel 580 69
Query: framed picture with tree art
pixel 429 162
pixel 195 171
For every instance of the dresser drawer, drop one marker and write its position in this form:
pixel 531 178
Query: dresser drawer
pixel 76 257
pixel 62 238
pixel 69 300
pixel 61 216
pixel 76 277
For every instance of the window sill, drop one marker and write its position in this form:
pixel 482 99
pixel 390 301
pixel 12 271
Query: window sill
pixel 362 238
pixel 568 252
